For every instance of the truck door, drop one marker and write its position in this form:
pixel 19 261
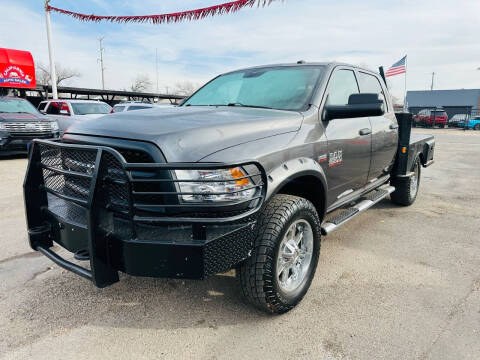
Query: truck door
pixel 384 129
pixel 349 140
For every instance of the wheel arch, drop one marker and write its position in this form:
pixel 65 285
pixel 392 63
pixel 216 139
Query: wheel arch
pixel 301 177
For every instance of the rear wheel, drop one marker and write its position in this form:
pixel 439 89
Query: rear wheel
pixel 280 270
pixel 406 189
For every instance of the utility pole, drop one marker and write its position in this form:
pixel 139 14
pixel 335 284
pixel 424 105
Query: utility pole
pixel 433 80
pixel 102 49
pixel 53 73
pixel 156 65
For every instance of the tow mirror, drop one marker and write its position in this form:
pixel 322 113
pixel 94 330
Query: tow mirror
pixel 359 105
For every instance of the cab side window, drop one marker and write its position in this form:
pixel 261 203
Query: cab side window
pixel 342 84
pixel 370 84
pixel 58 108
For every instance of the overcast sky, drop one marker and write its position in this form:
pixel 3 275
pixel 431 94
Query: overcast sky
pixel 437 35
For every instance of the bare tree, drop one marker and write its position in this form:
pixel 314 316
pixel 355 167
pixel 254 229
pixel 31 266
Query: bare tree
pixel 185 88
pixel 141 84
pixel 43 74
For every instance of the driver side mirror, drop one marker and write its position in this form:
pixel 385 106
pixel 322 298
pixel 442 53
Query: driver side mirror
pixel 359 105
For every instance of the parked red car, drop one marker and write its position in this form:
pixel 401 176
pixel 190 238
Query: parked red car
pixel 430 118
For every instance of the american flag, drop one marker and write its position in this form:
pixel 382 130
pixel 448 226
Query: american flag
pixel 397 68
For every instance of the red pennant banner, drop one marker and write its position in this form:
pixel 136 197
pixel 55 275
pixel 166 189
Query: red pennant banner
pixel 189 15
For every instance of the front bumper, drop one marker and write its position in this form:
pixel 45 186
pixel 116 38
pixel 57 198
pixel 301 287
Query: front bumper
pixel 120 233
pixel 11 144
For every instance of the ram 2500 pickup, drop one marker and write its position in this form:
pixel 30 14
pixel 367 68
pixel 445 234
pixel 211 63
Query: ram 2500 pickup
pixel 248 173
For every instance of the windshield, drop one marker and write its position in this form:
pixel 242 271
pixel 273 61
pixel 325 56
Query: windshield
pixel 17 106
pixel 283 88
pixel 118 108
pixel 90 108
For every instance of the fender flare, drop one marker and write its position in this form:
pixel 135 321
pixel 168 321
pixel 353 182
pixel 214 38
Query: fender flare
pixel 291 170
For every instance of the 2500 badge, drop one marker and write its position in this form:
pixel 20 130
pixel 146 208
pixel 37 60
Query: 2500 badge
pixel 335 158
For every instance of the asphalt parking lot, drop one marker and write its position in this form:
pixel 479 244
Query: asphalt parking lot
pixel 394 283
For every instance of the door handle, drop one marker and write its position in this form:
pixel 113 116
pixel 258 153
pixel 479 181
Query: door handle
pixel 365 131
pixel 393 126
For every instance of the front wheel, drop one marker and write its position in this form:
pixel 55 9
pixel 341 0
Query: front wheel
pixel 477 127
pixel 287 245
pixel 406 189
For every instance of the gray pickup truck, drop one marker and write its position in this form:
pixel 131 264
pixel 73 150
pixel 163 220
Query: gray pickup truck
pixel 248 173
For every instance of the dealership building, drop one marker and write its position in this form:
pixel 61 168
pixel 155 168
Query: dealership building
pixel 462 101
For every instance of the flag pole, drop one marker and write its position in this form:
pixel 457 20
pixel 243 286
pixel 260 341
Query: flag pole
pixel 405 107
pixel 53 74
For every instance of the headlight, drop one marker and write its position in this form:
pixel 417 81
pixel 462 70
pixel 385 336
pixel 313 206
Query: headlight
pixel 54 126
pixel 3 127
pixel 232 185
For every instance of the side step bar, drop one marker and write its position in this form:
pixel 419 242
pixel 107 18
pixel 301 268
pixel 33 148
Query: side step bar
pixel 366 202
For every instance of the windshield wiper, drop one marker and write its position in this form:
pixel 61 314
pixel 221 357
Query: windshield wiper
pixel 236 104
pixel 249 106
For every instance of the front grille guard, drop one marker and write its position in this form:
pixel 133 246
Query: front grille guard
pixel 89 181
pixel 95 169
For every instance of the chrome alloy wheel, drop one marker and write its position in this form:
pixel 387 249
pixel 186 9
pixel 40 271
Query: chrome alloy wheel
pixel 414 182
pixel 295 256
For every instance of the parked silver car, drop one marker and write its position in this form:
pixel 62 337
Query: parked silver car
pixel 67 112
pixel 456 119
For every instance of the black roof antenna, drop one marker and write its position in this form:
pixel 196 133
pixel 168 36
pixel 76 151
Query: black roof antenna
pixel 301 62
pixel 382 74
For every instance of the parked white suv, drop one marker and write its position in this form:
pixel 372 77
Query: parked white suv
pixel 137 105
pixel 66 112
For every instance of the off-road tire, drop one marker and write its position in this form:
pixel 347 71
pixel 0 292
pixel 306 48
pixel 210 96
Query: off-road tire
pixel 403 194
pixel 257 275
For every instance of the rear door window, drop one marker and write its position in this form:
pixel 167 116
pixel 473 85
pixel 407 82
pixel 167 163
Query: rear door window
pixel 370 84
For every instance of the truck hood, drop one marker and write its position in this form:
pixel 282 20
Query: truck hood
pixel 191 133
pixel 16 117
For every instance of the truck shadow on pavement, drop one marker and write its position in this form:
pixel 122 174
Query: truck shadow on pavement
pixel 58 300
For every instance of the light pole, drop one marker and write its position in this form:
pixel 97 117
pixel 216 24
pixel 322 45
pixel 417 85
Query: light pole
pixel 100 39
pixel 53 73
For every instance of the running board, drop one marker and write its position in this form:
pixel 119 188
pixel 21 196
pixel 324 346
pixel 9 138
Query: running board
pixel 366 203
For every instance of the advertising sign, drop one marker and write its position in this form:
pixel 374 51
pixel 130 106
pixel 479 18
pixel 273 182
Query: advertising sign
pixel 17 69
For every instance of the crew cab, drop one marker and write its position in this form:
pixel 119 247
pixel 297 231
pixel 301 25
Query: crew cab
pixel 431 117
pixel 67 112
pixel 248 173
pixel 20 123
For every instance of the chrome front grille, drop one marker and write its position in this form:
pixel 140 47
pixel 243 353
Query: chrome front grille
pixel 28 127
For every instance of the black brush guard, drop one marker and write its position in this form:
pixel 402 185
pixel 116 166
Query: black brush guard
pixel 130 217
